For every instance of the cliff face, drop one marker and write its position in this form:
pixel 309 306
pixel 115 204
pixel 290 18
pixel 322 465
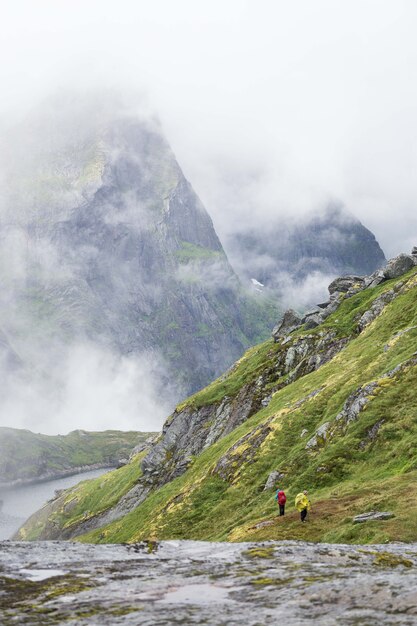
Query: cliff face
pixel 111 244
pixel 326 406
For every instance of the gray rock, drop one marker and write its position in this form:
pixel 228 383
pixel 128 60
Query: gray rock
pixel 272 480
pixel 355 403
pixel 377 307
pixel 372 516
pixel 265 401
pixel 197 582
pixel 313 320
pixel 398 266
pixel 375 279
pixel 346 283
pixel 414 251
pixel 290 321
pixel 319 437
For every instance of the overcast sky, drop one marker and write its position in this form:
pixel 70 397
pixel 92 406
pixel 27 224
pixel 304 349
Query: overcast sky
pixel 272 107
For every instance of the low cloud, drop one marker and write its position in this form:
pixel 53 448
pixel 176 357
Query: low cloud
pixel 86 387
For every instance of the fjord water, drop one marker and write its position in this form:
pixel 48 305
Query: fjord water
pixel 20 502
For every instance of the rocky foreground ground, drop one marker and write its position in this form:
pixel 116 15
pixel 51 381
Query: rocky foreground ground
pixel 187 582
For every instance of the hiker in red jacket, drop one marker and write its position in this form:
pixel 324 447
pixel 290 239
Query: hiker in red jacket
pixel 281 498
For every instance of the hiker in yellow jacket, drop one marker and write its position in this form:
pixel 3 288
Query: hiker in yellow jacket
pixel 303 504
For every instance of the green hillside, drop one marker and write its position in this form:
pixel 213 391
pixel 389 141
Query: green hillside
pixel 28 457
pixel 363 457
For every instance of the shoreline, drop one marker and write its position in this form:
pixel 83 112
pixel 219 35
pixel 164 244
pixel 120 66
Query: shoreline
pixel 44 478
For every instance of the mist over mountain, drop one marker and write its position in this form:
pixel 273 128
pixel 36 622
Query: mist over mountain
pixel 296 257
pixel 116 282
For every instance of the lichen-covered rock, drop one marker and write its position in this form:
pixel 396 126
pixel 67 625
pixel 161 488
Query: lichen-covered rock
pixel 190 430
pixel 377 307
pixel 346 283
pixel 242 452
pixel 319 437
pixel 398 266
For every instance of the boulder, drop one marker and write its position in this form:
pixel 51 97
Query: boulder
pixel 346 283
pixel 272 480
pixel 398 266
pixel 414 251
pixel 375 279
pixel 289 322
pixel 372 516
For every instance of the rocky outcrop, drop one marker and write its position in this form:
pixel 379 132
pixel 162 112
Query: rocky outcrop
pixel 346 287
pixel 190 430
pixel 353 407
pixel 399 265
pixel 242 452
pixel 320 436
pixel 187 432
pixel 290 321
pixel 346 284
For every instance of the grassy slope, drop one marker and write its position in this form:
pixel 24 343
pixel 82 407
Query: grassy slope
pixel 26 455
pixel 343 478
pixel 87 498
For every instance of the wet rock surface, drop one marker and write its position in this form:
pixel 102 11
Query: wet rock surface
pixel 186 582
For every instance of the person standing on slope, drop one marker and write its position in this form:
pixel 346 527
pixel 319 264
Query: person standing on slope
pixel 281 498
pixel 303 504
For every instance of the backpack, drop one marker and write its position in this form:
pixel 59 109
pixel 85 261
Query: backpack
pixel 281 497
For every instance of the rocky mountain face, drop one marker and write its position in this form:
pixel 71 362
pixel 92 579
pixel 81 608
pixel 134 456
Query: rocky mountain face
pixel 327 404
pixel 27 457
pixel 104 240
pixel 330 243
